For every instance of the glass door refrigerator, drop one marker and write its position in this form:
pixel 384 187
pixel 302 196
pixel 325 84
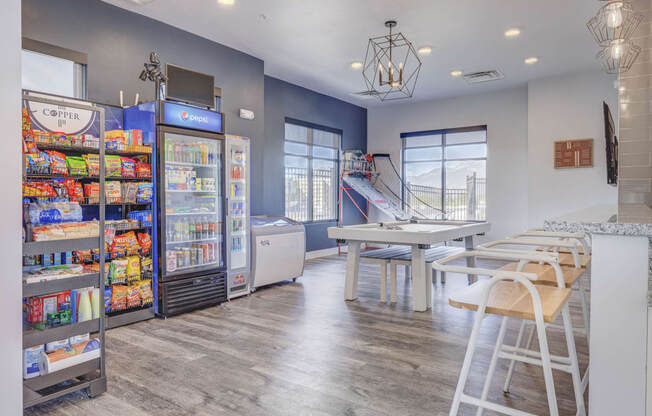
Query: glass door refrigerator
pixel 238 240
pixel 189 214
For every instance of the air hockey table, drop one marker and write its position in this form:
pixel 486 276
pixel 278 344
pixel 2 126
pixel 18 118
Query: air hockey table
pixel 419 235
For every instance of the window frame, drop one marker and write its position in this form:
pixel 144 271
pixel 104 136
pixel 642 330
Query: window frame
pixel 309 157
pixel 80 60
pixel 443 160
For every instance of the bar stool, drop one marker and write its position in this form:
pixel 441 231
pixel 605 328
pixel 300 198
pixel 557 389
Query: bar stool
pixel 512 294
pixel 546 275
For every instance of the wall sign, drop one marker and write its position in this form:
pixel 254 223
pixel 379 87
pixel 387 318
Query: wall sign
pixel 60 118
pixel 574 154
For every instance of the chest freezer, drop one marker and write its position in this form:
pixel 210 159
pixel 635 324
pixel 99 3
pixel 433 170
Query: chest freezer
pixel 279 249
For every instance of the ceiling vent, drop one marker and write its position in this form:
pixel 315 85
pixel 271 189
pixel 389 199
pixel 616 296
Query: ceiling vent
pixel 483 76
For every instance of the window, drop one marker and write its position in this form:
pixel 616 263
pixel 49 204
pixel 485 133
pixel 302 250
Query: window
pixel 53 75
pixel 447 170
pixel 311 172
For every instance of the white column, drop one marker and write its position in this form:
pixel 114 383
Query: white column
pixel 352 268
pixel 618 343
pixel 11 388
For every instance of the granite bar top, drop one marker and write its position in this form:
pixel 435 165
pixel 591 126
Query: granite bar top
pixel 629 220
pixel 632 220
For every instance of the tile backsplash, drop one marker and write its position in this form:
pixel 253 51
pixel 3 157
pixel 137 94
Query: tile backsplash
pixel 634 118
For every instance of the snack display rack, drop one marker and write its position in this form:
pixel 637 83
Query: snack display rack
pixel 86 374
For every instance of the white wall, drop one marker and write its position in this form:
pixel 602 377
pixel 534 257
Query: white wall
pixel 11 390
pixel 504 113
pixel 559 108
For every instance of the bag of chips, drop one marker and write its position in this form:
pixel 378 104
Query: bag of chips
pixel 145 265
pixel 143 170
pixel 57 163
pixel 129 192
pixel 128 167
pixel 60 139
pixel 107 299
pixel 74 190
pixel 144 194
pixel 113 166
pixel 92 192
pixel 37 163
pixel 38 189
pixel 27 124
pixel 133 268
pixel 119 298
pixel 133 296
pixel 76 166
pixel 146 293
pixel 113 192
pixel 118 271
pixel 145 241
pixel 92 164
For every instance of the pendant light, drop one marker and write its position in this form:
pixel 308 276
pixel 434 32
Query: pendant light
pixel 391 66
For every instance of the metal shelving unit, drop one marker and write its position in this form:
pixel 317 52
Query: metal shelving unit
pixel 90 374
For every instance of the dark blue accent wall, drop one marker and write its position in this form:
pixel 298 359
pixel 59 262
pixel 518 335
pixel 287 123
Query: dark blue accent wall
pixel 282 100
pixel 117 43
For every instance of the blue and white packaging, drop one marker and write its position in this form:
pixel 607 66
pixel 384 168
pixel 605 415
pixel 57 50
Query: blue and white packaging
pixel 31 358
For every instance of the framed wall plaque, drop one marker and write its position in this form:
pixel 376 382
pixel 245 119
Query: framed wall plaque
pixel 574 154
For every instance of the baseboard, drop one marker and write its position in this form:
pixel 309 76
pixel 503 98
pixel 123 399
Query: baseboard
pixel 323 253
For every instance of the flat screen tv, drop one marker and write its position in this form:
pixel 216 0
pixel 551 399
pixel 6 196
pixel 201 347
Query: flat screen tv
pixel 189 86
pixel 611 142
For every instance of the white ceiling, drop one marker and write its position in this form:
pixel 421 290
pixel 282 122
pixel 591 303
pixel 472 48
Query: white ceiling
pixel 312 42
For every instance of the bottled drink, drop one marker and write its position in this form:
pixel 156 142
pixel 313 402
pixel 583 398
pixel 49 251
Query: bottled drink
pixel 198 228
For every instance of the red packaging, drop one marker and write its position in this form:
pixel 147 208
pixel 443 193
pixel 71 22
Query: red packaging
pixel 128 167
pixel 74 189
pixel 57 163
pixel 38 306
pixel 143 170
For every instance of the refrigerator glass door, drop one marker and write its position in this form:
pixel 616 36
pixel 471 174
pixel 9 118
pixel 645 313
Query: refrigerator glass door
pixel 238 200
pixel 192 210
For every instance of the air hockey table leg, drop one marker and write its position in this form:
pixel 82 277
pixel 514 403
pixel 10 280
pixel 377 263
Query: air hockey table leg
pixel 352 268
pixel 419 288
pixel 470 261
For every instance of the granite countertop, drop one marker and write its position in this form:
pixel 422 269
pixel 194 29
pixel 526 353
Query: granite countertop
pixel 634 220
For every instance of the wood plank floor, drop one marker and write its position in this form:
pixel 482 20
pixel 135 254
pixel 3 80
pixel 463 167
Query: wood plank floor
pixel 298 349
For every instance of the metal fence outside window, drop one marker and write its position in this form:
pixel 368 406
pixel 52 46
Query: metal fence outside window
pixel 468 203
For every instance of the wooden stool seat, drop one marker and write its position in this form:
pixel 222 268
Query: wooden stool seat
pixel 566 259
pixel 546 273
pixel 512 299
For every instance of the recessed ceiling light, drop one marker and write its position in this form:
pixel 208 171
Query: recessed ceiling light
pixel 531 60
pixel 456 73
pixel 356 65
pixel 621 89
pixel 425 50
pixel 226 2
pixel 512 32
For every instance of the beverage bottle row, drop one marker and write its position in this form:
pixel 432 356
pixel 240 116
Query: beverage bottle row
pixel 191 228
pixel 198 153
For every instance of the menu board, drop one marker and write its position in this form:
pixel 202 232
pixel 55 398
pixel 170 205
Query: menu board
pixel 574 154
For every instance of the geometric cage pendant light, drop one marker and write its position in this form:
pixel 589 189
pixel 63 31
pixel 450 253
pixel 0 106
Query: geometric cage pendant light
pixel 616 20
pixel 391 67
pixel 612 27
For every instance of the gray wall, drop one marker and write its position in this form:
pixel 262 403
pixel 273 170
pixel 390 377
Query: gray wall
pixel 282 100
pixel 118 42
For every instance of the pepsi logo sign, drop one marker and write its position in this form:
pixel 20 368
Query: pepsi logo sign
pixel 185 116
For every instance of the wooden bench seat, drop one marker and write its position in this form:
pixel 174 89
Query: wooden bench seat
pixel 385 253
pixel 512 299
pixel 546 273
pixel 566 259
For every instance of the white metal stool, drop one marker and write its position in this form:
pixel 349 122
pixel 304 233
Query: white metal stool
pixel 513 294
pixel 546 275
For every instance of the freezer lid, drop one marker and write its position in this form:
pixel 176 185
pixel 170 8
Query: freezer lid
pixel 266 225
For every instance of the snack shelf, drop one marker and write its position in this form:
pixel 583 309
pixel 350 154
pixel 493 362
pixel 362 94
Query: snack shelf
pixel 75 371
pixel 58 246
pixel 90 374
pixel 129 316
pixel 33 337
pixel 95 150
pixel 31 176
pixel 58 285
